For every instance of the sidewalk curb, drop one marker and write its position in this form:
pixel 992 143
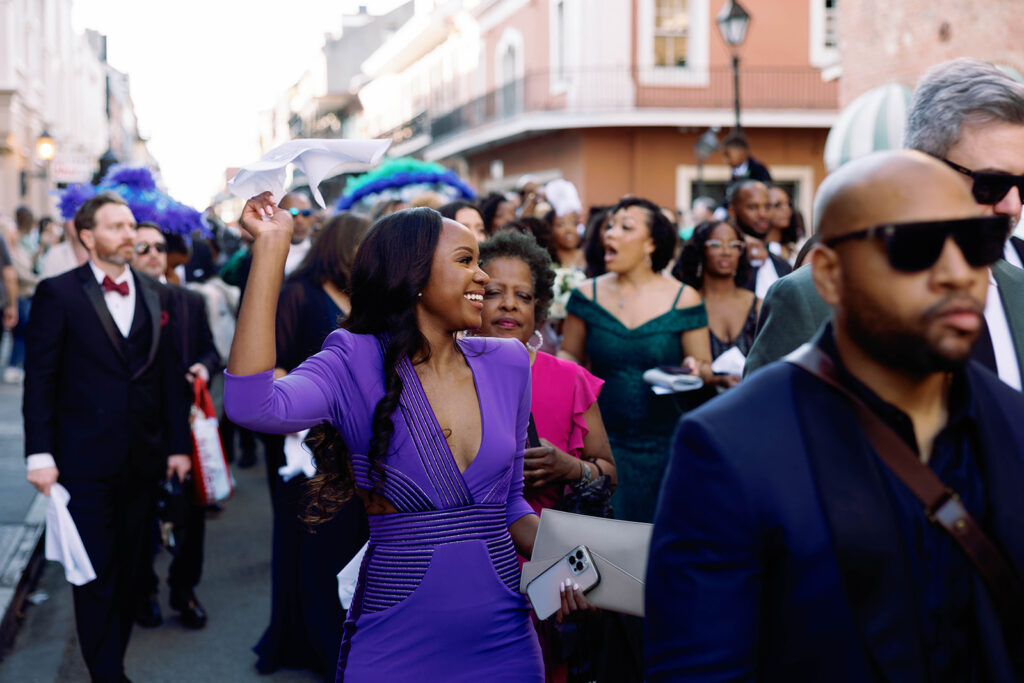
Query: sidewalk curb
pixel 20 569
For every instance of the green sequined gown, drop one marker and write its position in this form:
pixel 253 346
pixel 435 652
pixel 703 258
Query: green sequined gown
pixel 639 423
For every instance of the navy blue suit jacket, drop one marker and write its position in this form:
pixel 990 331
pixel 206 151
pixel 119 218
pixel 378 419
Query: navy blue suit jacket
pixel 775 554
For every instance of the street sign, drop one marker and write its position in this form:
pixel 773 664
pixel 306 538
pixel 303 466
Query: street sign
pixel 72 167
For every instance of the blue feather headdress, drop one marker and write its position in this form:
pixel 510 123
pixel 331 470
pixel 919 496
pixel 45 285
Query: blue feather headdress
pixel 137 186
pixel 403 179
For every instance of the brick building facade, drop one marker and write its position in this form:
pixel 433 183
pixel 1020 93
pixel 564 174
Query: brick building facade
pixel 897 41
pixel 609 94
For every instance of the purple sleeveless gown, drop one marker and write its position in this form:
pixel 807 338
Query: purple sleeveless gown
pixel 438 595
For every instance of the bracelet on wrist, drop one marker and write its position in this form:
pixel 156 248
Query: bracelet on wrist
pixel 586 475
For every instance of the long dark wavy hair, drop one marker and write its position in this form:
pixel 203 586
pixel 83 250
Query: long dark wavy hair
pixel 692 263
pixel 593 249
pixel 391 268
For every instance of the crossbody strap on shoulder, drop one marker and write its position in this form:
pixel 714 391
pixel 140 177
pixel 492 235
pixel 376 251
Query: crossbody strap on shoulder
pixel 942 505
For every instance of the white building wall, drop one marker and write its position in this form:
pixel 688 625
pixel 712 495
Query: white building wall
pixel 49 79
pixel 597 41
pixel 437 80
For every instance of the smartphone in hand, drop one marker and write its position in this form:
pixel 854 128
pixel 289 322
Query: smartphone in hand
pixel 675 369
pixel 543 591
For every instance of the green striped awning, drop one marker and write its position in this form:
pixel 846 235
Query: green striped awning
pixel 872 122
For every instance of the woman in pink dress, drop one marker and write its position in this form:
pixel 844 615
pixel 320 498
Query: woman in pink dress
pixel 573 461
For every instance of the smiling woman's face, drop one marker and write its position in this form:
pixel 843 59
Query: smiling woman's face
pixel 509 300
pixel 453 296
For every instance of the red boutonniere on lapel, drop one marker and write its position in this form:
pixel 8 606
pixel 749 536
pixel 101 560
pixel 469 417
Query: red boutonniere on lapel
pixel 165 318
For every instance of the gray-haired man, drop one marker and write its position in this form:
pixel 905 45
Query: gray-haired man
pixel 971 115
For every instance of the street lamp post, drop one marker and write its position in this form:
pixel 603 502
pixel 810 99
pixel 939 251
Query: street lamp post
pixel 46 150
pixel 106 161
pixel 733 22
pixel 704 147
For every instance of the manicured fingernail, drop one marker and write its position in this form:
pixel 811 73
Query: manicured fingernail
pixel 575 586
pixel 561 588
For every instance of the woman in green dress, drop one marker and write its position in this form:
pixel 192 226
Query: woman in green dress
pixel 624 322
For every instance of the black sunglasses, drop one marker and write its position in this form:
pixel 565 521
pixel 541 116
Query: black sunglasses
pixel 989 187
pixel 305 212
pixel 912 247
pixel 142 248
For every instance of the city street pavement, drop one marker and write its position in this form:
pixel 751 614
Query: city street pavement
pixel 235 589
pixel 22 511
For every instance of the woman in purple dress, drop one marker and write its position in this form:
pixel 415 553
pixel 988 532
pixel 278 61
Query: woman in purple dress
pixel 431 433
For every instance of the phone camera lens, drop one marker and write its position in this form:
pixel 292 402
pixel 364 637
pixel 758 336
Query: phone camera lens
pixel 579 554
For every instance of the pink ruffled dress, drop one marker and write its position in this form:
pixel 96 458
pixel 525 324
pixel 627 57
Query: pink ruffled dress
pixel 562 393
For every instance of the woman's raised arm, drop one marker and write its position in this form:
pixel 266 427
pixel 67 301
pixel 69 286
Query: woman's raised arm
pixel 253 349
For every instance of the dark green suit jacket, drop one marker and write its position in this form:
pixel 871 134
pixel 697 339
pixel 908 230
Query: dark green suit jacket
pixel 792 312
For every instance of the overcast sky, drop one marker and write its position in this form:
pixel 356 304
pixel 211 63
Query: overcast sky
pixel 201 71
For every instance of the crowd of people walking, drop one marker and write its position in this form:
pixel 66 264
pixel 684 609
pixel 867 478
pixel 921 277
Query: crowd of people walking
pixel 457 367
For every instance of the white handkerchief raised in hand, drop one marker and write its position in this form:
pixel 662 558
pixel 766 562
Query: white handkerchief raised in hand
pixel 666 383
pixel 63 544
pixel 297 456
pixel 730 362
pixel 315 158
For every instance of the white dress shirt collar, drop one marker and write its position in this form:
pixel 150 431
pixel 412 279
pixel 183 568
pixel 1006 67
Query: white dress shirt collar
pixel 1011 255
pixel 125 276
pixel 1002 339
pixel 766 276
pixel 296 253
pixel 122 308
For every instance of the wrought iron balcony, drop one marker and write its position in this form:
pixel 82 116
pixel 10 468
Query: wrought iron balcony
pixel 623 90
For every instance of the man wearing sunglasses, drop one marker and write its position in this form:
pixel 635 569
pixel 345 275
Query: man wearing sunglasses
pixel 805 557
pixel 297 204
pixel 303 218
pixel 971 115
pixel 194 342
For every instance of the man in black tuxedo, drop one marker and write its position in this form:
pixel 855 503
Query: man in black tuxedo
pixel 105 415
pixel 194 343
pixel 804 556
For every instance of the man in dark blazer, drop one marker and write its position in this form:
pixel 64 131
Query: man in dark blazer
pixel 105 415
pixel 194 343
pixel 970 114
pixel 749 205
pixel 784 548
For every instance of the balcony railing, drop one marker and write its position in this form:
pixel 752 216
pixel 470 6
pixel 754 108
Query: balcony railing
pixel 604 90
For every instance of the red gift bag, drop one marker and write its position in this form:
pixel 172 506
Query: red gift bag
pixel 210 473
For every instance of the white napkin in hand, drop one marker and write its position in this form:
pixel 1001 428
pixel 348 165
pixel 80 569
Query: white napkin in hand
pixel 297 456
pixel 315 158
pixel 666 383
pixel 730 362
pixel 63 544
pixel 348 577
